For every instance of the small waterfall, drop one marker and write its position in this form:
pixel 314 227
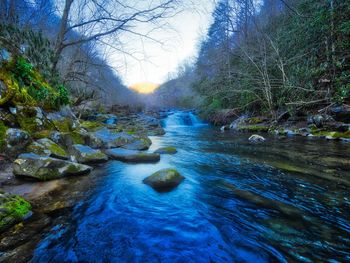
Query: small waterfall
pixel 179 119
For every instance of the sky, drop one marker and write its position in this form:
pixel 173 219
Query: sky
pixel 155 61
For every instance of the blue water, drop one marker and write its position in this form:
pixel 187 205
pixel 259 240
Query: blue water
pixel 233 206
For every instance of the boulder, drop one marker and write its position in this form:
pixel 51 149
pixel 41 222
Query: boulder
pixel 319 120
pixel 16 140
pixel 140 143
pixel 237 122
pixel 132 156
pixel 85 154
pixel 341 113
pixel 256 138
pixel 166 150
pixel 164 180
pixel 13 209
pixel 46 147
pixel 46 168
pixel 112 139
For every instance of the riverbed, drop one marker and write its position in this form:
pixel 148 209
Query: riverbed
pixel 284 200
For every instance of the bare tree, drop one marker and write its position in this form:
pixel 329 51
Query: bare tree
pixel 83 21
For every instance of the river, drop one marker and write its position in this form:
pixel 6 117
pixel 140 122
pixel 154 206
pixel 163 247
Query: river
pixel 284 200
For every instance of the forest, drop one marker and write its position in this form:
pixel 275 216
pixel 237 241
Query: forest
pixel 174 131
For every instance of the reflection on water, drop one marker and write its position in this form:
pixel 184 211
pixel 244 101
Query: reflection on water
pixel 285 200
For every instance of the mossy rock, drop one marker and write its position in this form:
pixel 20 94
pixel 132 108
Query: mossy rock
pixel 46 168
pixel 42 134
pixel 331 134
pixel 92 125
pixel 63 125
pixel 132 156
pixel 85 154
pixel 166 150
pixel 139 143
pixel 46 147
pixel 164 180
pixel 13 209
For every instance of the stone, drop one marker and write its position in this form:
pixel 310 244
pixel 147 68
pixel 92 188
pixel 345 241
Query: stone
pixel 132 156
pixel 166 150
pixel 85 154
pixel 53 148
pixel 46 168
pixel 16 140
pixel 341 113
pixel 320 120
pixel 140 143
pixel 164 180
pixel 256 138
pixel 224 128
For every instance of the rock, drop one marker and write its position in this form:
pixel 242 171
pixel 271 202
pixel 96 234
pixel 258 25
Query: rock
pixel 164 180
pixel 13 209
pixel 224 128
pixel 112 139
pixel 85 154
pixel 46 147
pixel 320 120
pixel 16 140
pixel 341 113
pixel 46 168
pixel 132 156
pixel 31 119
pixel 141 143
pixel 256 138
pixel 166 150
pixel 237 122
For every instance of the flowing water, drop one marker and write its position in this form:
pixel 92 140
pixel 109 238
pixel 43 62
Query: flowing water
pixel 285 200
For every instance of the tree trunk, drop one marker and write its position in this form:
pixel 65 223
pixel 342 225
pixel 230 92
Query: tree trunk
pixel 61 34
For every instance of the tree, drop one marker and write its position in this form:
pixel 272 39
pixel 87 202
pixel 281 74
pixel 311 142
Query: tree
pixel 96 20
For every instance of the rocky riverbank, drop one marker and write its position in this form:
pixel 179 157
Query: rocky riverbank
pixel 46 156
pixel 332 125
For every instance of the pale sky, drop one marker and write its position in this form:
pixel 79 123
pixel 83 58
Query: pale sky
pixel 155 61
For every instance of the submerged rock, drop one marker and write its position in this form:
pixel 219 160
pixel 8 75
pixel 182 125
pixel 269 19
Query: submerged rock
pixel 46 168
pixel 133 156
pixel 166 150
pixel 85 154
pixel 13 209
pixel 164 180
pixel 256 138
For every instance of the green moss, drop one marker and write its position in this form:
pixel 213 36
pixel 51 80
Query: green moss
pixel 63 125
pixel 3 130
pixel 254 120
pixel 91 125
pixel 166 150
pixel 57 150
pixel 14 208
pixel 77 138
pixel 42 134
pixel 331 134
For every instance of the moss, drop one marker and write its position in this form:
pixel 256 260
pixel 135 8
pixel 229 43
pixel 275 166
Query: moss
pixel 77 138
pixel 63 125
pixel 166 150
pixel 57 150
pixel 331 134
pixel 91 125
pixel 3 130
pixel 42 134
pixel 254 120
pixel 14 208
pixel 253 128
